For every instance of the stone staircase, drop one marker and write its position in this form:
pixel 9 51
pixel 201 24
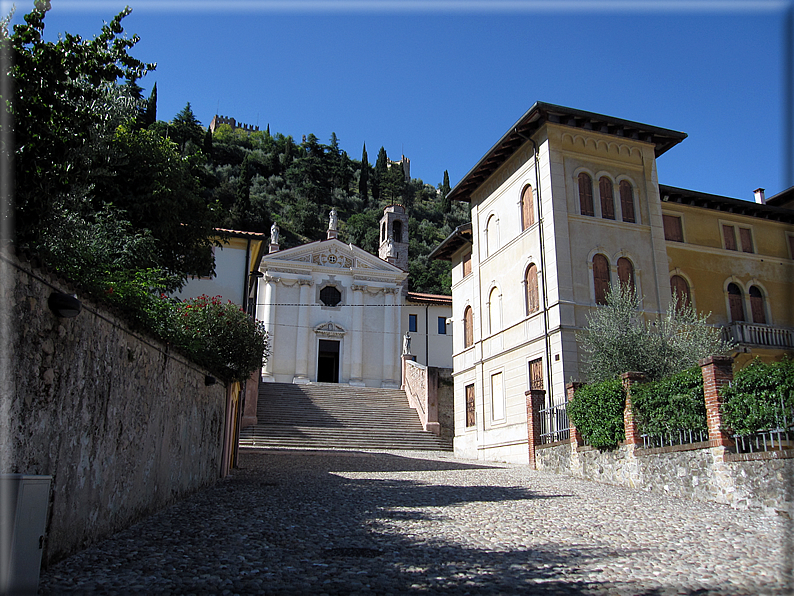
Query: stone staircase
pixel 332 416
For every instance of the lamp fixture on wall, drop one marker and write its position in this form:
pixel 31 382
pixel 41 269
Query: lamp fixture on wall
pixel 64 305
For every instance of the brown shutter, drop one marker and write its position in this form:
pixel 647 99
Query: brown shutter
pixel 468 327
pixel 527 211
pixel 627 201
pixel 536 374
pixel 746 239
pixel 626 273
pixel 533 304
pixel 735 301
pixel 757 306
pixel 729 235
pixel 600 278
pixel 471 413
pixel 586 194
pixel 466 264
pixel 680 290
pixel 607 200
pixel 672 228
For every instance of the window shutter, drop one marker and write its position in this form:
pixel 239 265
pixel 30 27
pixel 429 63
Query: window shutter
pixel 600 278
pixel 466 264
pixel 586 194
pixel 757 306
pixel 680 290
pixel 735 302
pixel 746 239
pixel 672 228
pixel 527 211
pixel 607 200
pixel 536 374
pixel 626 273
pixel 468 327
pixel 533 304
pixel 627 201
pixel 471 412
pixel 729 235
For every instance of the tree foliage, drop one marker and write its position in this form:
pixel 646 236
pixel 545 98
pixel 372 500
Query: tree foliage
pixel 761 397
pixel 619 339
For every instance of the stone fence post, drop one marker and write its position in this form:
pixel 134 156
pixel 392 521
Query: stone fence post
pixel 575 435
pixel 717 372
pixel 629 424
pixel 535 400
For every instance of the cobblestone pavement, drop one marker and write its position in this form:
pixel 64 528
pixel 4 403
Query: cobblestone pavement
pixel 352 522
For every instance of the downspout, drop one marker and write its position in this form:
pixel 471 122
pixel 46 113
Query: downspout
pixel 241 401
pixel 547 346
pixel 427 338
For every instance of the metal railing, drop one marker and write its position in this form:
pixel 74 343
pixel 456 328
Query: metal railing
pixel 677 437
pixel 767 440
pixel 554 424
pixel 759 335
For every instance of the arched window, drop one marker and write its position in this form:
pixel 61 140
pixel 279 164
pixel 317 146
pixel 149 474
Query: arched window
pixel 627 201
pixel 679 288
pixel 397 231
pixel 527 212
pixel 468 327
pixel 626 273
pixel 607 200
pixel 491 236
pixel 586 194
pixel 531 283
pixel 757 305
pixel 383 232
pixel 735 301
pixel 494 310
pixel 601 278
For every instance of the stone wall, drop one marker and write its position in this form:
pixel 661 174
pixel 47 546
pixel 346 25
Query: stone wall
pixel 124 426
pixel 446 404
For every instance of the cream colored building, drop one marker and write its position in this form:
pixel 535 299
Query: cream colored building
pixel 564 203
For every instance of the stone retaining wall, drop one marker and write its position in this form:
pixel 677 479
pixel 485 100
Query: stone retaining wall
pixel 122 425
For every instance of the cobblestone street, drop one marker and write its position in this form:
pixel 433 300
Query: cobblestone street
pixel 352 522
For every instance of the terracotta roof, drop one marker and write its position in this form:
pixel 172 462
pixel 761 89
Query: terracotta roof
pixel 430 298
pixel 672 194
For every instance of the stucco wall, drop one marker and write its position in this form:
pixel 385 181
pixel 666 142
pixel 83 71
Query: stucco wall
pixel 123 426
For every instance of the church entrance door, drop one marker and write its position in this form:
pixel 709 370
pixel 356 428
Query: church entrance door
pixel 328 361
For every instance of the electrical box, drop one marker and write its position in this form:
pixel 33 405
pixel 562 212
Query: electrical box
pixel 24 501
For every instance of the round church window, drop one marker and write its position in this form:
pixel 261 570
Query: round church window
pixel 330 296
pixel 332 259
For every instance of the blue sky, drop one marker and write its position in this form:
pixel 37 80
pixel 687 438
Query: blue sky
pixel 442 80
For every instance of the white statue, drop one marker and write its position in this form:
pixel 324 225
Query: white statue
pixel 407 343
pixel 274 234
pixel 332 223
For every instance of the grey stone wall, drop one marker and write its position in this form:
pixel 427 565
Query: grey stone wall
pixel 123 426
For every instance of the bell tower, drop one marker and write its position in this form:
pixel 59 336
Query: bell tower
pixel 393 246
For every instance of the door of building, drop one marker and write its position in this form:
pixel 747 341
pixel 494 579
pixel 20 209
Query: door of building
pixel 328 361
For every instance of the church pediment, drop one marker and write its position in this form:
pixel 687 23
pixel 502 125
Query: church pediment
pixel 332 254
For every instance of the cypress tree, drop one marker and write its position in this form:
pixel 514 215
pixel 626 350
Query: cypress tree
pixel 446 202
pixel 364 178
pixel 150 114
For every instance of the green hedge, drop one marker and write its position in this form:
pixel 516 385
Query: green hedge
pixel 760 397
pixel 597 413
pixel 670 404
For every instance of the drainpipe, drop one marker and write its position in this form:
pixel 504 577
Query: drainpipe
pixel 427 338
pixel 547 346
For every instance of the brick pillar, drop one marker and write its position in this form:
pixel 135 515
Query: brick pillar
pixel 535 400
pixel 717 372
pixel 629 424
pixel 575 435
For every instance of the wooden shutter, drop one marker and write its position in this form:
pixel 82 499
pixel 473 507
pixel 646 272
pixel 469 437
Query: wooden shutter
pixel 757 306
pixel 586 194
pixel 536 374
pixel 471 412
pixel 626 273
pixel 672 228
pixel 735 301
pixel 466 264
pixel 680 290
pixel 607 200
pixel 468 327
pixel 527 211
pixel 531 280
pixel 600 278
pixel 729 235
pixel 746 239
pixel 627 201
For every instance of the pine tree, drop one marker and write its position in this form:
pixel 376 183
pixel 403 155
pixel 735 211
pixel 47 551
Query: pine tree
pixel 364 178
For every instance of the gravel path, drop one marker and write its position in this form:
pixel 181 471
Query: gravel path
pixel 352 522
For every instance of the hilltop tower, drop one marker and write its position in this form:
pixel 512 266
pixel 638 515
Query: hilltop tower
pixel 393 246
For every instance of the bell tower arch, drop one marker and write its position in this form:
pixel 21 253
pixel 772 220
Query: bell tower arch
pixel 393 239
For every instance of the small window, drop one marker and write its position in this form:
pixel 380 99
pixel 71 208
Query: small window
pixel 397 231
pixel 471 412
pixel 330 296
pixel 736 302
pixel 600 278
pixel 494 314
pixel 468 327
pixel 412 323
pixel 679 289
pixel 442 325
pixel 491 236
pixel 383 232
pixel 527 213
pixel 672 228
pixel 607 198
pixel 757 305
pixel 466 264
pixel 626 273
pixel 729 237
pixel 531 283
pixel 586 195
pixel 536 374
pixel 746 238
pixel 627 201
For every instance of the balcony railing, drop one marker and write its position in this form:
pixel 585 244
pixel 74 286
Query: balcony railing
pixel 759 335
